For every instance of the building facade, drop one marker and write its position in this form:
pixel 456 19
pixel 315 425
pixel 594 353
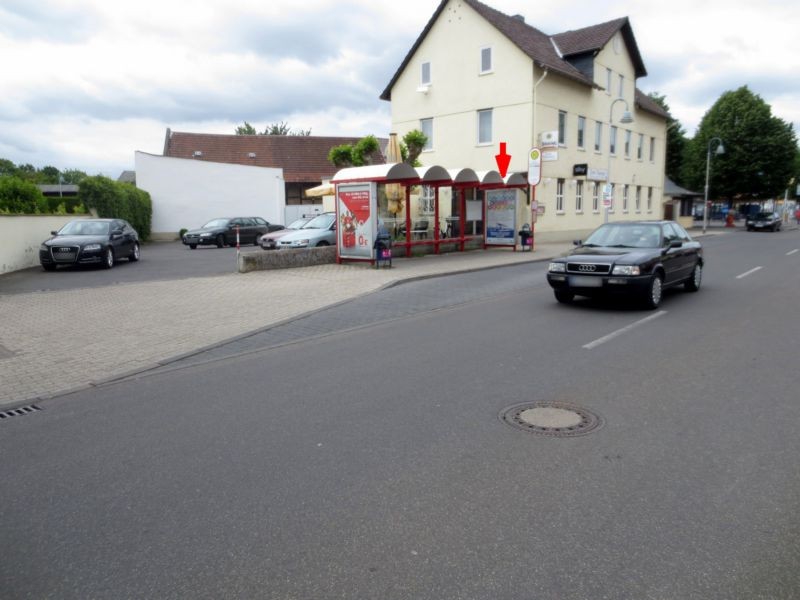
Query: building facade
pixel 476 78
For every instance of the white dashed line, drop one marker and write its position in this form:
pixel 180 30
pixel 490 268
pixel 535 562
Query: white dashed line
pixel 750 272
pixel 792 252
pixel 625 329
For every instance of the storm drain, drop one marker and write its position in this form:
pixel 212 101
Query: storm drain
pixel 19 412
pixel 554 419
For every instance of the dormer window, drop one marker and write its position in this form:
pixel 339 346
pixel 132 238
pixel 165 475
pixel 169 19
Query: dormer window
pixel 425 74
pixel 486 60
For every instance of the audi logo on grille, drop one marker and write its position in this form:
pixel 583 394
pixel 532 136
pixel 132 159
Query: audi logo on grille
pixel 587 268
pixel 65 249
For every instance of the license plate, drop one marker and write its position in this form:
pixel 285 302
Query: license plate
pixel 585 281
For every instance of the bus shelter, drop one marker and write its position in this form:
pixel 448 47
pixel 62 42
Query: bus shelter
pixel 430 209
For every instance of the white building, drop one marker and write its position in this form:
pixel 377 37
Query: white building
pixel 476 78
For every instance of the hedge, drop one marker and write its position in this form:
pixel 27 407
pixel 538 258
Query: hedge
pixel 116 200
pixel 18 196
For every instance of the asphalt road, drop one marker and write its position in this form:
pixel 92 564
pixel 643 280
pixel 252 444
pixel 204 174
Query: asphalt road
pixel 160 261
pixel 367 459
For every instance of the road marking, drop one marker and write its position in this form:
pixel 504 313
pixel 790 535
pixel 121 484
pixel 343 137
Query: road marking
pixel 792 252
pixel 750 272
pixel 625 329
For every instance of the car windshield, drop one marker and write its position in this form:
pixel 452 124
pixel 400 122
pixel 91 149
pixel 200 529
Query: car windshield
pixel 85 228
pixel 764 215
pixel 320 222
pixel 213 224
pixel 625 235
pixel 298 223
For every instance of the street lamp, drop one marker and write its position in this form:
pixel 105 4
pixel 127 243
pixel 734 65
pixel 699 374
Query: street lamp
pixel 626 118
pixel 720 150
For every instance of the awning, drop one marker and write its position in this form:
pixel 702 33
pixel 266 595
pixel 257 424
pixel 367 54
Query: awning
pixel 326 189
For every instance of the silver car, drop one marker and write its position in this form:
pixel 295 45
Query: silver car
pixel 319 231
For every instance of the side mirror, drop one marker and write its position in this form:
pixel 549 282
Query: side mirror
pixel 675 244
pixel 577 242
pixel 117 233
pixel 54 233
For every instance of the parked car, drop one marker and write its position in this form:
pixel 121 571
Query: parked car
pixel 90 241
pixel 319 231
pixel 219 232
pixel 764 220
pixel 269 241
pixel 634 258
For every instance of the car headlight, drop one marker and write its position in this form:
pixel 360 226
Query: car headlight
pixel 44 248
pixel 205 235
pixel 626 270
pixel 557 267
pixel 301 242
pixel 91 247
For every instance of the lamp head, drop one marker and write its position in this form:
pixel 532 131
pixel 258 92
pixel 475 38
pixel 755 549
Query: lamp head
pixel 627 117
pixel 720 149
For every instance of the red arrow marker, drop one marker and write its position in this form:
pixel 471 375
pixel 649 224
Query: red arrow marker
pixel 503 160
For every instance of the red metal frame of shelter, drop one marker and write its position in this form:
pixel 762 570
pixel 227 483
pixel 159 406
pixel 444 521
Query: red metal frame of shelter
pixel 460 180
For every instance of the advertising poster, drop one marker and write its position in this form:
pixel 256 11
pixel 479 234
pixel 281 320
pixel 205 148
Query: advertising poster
pixel 501 217
pixel 355 226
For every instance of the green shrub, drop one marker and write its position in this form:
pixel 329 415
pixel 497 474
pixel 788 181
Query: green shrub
pixel 18 196
pixel 182 231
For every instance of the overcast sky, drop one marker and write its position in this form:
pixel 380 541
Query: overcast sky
pixel 85 83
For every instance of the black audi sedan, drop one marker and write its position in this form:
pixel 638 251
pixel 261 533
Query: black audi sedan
pixel 90 241
pixel 219 232
pixel 634 258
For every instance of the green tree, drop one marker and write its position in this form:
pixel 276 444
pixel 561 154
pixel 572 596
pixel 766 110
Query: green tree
pixel 279 128
pixel 676 141
pixel 48 175
pixel 73 176
pixel 413 144
pixel 7 167
pixel 246 129
pixel 354 155
pixel 760 149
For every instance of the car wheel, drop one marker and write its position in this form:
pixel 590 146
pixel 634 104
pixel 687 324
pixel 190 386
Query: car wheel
pixel 135 254
pixel 220 241
pixel 654 292
pixel 564 297
pixel 49 267
pixel 108 258
pixel 693 283
pixel 193 246
pixel 322 243
pixel 256 241
pixel 749 229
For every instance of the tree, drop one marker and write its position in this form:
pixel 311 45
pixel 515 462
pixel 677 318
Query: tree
pixel 413 144
pixel 48 175
pixel 279 128
pixel 760 149
pixel 20 196
pixel 676 141
pixel 7 167
pixel 73 176
pixel 354 155
pixel 246 129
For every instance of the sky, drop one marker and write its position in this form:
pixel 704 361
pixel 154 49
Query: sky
pixel 86 83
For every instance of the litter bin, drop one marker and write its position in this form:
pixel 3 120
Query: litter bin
pixel 526 237
pixel 383 248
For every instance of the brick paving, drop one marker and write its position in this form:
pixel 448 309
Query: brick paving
pixel 52 342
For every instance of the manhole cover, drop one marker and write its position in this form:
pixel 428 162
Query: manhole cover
pixel 555 419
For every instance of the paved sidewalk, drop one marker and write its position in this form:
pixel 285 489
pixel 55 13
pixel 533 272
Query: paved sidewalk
pixel 56 341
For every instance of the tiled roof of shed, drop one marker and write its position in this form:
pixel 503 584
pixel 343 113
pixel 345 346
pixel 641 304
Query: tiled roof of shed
pixel 302 158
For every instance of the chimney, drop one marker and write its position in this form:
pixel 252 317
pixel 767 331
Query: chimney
pixel 519 18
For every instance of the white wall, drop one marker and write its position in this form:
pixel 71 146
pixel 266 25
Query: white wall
pixel 187 193
pixel 21 237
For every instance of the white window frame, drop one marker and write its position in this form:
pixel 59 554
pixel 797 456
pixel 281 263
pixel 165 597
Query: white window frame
pixel 579 196
pixel 482 70
pixel 560 195
pixel 638 200
pixel 595 197
pixel 481 114
pixel 608 81
pixel 598 136
pixel 650 199
pixel 640 147
pixel 628 134
pixel 612 140
pixel 581 138
pixel 625 197
pixel 613 190
pixel 427 200
pixel 652 149
pixel 422 78
pixel 621 88
pixel 562 127
pixel 429 133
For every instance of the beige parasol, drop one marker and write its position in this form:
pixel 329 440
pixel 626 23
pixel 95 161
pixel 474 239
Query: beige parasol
pixel 394 191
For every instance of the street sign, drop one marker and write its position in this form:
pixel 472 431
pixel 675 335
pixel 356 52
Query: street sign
pixel 534 166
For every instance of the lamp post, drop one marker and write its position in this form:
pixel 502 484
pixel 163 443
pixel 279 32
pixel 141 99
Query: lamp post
pixel 720 150
pixel 626 118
